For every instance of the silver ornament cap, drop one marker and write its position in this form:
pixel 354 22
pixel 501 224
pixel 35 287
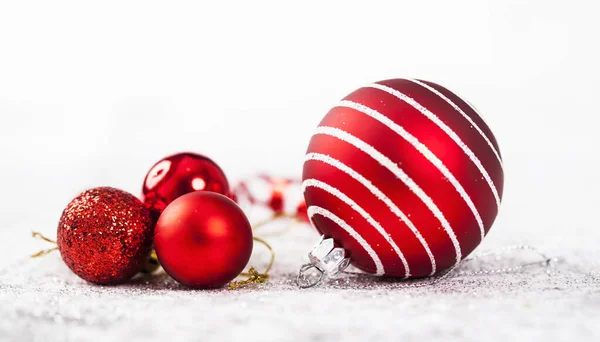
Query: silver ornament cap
pixel 326 259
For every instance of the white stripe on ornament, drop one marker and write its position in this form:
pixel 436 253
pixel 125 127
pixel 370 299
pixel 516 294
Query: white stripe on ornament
pixel 458 109
pixel 344 198
pixel 423 150
pixel 447 130
pixel 398 172
pixel 379 194
pixel 315 210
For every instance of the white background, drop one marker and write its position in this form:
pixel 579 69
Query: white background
pixel 93 93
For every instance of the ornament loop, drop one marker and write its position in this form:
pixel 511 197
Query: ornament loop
pixel 327 258
pixel 44 251
pixel 271 251
pixel 254 276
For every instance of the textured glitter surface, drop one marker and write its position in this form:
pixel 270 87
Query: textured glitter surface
pixel 105 235
pixel 40 299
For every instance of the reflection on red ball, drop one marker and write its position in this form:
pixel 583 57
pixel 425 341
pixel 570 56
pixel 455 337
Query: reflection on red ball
pixel 203 240
pixel 105 235
pixel 178 175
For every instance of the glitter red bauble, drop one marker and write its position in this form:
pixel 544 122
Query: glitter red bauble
pixel 105 235
pixel 405 175
pixel 178 175
pixel 203 240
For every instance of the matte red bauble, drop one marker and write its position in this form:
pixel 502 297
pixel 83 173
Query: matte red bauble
pixel 178 175
pixel 203 240
pixel 105 235
pixel 405 176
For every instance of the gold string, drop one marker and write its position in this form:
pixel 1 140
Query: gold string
pixel 277 217
pixel 43 251
pixel 39 235
pixel 254 276
pixel 151 264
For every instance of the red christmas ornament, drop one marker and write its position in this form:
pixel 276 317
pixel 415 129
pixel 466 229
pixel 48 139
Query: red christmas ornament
pixel 405 176
pixel 105 235
pixel 178 175
pixel 276 200
pixel 203 240
pixel 301 212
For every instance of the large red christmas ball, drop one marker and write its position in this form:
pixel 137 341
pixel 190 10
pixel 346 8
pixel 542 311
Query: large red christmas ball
pixel 105 235
pixel 405 175
pixel 178 175
pixel 203 240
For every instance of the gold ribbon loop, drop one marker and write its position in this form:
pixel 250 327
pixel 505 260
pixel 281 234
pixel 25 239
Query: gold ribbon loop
pixel 254 276
pixel 44 251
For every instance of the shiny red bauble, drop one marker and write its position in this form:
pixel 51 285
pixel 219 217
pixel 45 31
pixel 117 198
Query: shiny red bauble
pixel 105 235
pixel 203 240
pixel 405 175
pixel 178 175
